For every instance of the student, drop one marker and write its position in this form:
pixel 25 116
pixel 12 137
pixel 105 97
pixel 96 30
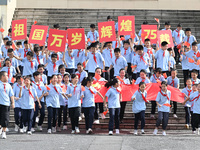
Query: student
pixel 6 95
pixel 194 78
pixel 41 93
pixel 69 61
pixel 17 109
pixel 43 76
pixel 185 64
pixel 156 78
pixel 14 61
pixel 133 58
pixel 163 99
pixel 171 59
pixel 94 59
pixel 28 95
pixel 79 56
pixel 174 82
pixel 178 36
pixel 189 37
pixel 142 77
pixel 18 53
pixel 81 73
pixel 92 35
pixel 142 61
pixel 74 94
pixel 52 102
pixel 187 92
pixel 9 36
pixel 3 47
pixel 39 56
pixel 123 80
pixel 139 107
pixel 88 104
pixel 9 69
pixel 118 62
pixel 114 99
pixel 61 71
pixel 5 51
pixel 167 26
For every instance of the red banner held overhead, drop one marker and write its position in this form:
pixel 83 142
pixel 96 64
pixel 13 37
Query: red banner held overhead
pixel 150 32
pixel 165 35
pixel 126 25
pixel 57 40
pixel 19 29
pixel 76 38
pixel 107 31
pixel 38 34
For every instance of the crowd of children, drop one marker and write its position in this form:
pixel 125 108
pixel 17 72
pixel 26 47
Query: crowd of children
pixel 32 77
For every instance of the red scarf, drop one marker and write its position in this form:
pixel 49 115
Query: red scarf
pixel 189 91
pixel 193 82
pixel 79 75
pixel 38 59
pixel 91 91
pixel 9 72
pixel 172 83
pixel 111 53
pixel 95 59
pixel 25 51
pixel 196 98
pixel 30 94
pixel 39 87
pixel 79 52
pixel 178 32
pixel 93 36
pixel 4 87
pixel 125 49
pixel 143 97
pixel 54 67
pixel 116 60
pixel 31 64
pixel 116 44
pixel 74 90
pixel 188 39
pixel 57 57
pixel 163 53
pixel 164 95
pixel 141 58
pixel 55 89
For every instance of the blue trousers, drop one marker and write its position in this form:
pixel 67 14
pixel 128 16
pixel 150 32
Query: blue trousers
pixel 140 116
pixel 28 118
pixel 52 115
pixel 114 116
pixel 89 116
pixel 42 113
pixel 18 117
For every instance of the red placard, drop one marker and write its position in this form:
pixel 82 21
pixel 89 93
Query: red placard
pixel 126 25
pixel 57 40
pixel 38 34
pixel 165 35
pixel 150 32
pixel 19 29
pixel 76 38
pixel 106 31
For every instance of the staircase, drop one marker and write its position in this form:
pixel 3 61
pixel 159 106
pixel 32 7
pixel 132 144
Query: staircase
pixel 75 18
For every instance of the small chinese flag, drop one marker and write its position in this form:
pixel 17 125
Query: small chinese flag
pixel 158 81
pixel 82 88
pixel 167 104
pixel 134 66
pixel 84 65
pixel 122 38
pixel 13 80
pixel 35 22
pixel 186 44
pixel 105 112
pixel 157 20
pixel 64 89
pixel 48 89
pixel 143 35
pixel 198 54
pixel 97 76
pixel 133 82
pixel 132 36
pixel 2 30
pixel 165 75
pixel 198 62
pixel 179 46
pixel 190 60
pixel 104 70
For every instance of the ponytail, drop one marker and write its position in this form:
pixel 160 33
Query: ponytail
pixel 86 80
pixel 111 83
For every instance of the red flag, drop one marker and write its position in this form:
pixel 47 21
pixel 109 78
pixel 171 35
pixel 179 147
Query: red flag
pixel 82 88
pixel 167 104
pixel 106 31
pixel 165 35
pixel 76 38
pixel 157 20
pixel 48 88
pixel 165 75
pixel 150 32
pixel 2 30
pixel 186 44
pixel 198 54
pixel 97 76
pixel 19 29
pixel 190 60
pixel 38 34
pixel 198 62
pixel 57 40
pixel 35 22
pixel 105 112
pixel 126 25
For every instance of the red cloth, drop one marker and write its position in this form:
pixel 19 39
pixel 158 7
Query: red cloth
pixel 4 87
pixel 38 59
pixel 25 51
pixel 54 67
pixel 95 59
pixel 8 72
pixel 178 32
pixel 141 58
pixel 31 64
pixel 55 89
pixel 75 89
pixel 111 53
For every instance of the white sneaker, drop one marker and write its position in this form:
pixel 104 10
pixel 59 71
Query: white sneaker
pixel 1 130
pixel 102 116
pixel 16 128
pixel 186 126
pixel 117 131
pixel 7 130
pixel 53 129
pixel 82 115
pixel 29 133
pixel 198 131
pixel 58 129
pixel 3 136
pixel 110 132
pixel 96 122
pixel 164 133
pixel 135 132
pixel 49 131
pixel 64 127
pixel 155 131
pixel 37 119
pixel 73 132
pixel 193 132
pixel 175 116
pixel 77 130
pixel 32 130
pixel 25 129
pixel 39 128
pixel 90 131
pixel 80 118
pixel 142 131
pixel 21 131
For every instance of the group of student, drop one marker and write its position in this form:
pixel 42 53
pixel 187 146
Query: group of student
pixel 32 77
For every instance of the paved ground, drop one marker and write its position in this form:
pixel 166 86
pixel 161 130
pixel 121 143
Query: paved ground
pixel 175 140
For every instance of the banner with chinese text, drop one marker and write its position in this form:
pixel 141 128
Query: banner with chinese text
pixel 165 35
pixel 19 29
pixel 76 38
pixel 126 25
pixel 150 32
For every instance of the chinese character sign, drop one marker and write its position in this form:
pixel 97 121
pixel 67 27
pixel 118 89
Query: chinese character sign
pixel 106 31
pixel 126 25
pixel 150 32
pixel 57 40
pixel 38 34
pixel 19 29
pixel 76 38
pixel 165 35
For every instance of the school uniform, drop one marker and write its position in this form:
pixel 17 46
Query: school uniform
pixel 79 55
pixel 93 36
pixel 6 92
pixel 189 39
pixel 172 63
pixel 81 75
pixel 39 59
pixel 10 71
pixel 163 111
pixel 115 44
pixel 136 39
pixel 139 79
pixel 88 106
pixel 74 103
pixel 29 67
pixel 27 105
pixel 139 107
pixel 17 109
pixel 114 107
pixel 118 63
pixel 40 88
pixel 133 57
pixel 151 53
pixel 190 55
pixel 197 81
pixel 126 53
pixel 70 61
pixel 44 79
pixel 185 67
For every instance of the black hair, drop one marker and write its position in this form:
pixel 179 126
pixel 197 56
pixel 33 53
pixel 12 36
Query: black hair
pixel 2 73
pixel 28 77
pixel 167 23
pixel 145 22
pixel 92 26
pixel 36 74
pixel 5 38
pixel 164 43
pixel 25 42
pixel 194 71
pixel 18 77
pixel 66 74
pixel 53 76
pixel 134 47
pixel 121 69
pixel 10 50
pixel 116 50
pixel 19 43
pixel 173 70
pixel 40 66
pixel 109 17
pixel 36 49
pixel 54 55
pixel 8 59
pixel 169 49
pixel 126 42
pixel 60 67
pixel 164 82
pixel 86 80
pixel 56 26
pixel 30 53
pixel 194 43
pixel 179 25
pixel 188 79
pixel 10 30
pixel 147 40
pixel 158 70
pixel 66 28
pixel 141 83
pixel 187 29
pixel 98 68
pixel 73 76
pixel 8 43
pixel 139 47
pixel 80 64
pixel 144 71
pixel 112 82
pixel 195 85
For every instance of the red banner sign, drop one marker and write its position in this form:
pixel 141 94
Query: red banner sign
pixel 150 32
pixel 76 38
pixel 165 35
pixel 106 31
pixel 57 40
pixel 38 34
pixel 126 25
pixel 19 29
